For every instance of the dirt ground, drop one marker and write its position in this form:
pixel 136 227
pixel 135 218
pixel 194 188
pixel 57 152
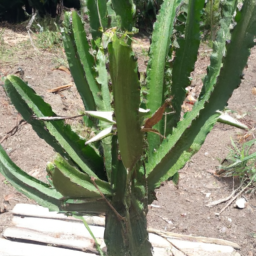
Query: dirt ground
pixel 179 209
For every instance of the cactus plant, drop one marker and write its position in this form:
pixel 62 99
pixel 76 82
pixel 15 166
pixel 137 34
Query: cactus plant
pixel 117 172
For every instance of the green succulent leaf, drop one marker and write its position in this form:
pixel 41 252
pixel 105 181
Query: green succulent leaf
pixel 227 119
pixel 103 79
pixel 126 100
pixel 97 10
pixel 87 60
pixel 185 58
pixel 35 189
pixel 101 135
pixel 85 206
pixel 27 102
pixel 193 135
pixel 125 10
pixel 75 65
pixel 119 173
pixel 163 28
pixel 72 183
pixel 106 116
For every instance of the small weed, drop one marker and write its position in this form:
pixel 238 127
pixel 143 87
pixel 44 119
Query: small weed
pixel 7 53
pixel 60 60
pixel 144 53
pixel 48 36
pixel 6 182
pixel 240 162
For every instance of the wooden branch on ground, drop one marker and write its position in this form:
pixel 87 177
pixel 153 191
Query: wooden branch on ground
pixel 13 130
pixel 223 200
pixel 60 88
pixel 194 238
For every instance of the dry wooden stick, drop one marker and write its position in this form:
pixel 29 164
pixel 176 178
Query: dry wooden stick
pixel 60 88
pixel 54 118
pixel 194 238
pixel 226 206
pixel 211 204
pixel 29 30
pixel 175 246
pixel 13 130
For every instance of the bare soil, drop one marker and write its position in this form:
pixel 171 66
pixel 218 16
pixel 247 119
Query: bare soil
pixel 179 209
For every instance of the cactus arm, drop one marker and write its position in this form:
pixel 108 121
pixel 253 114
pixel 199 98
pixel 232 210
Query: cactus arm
pixel 111 15
pixel 71 182
pixel 27 113
pixel 84 156
pixel 97 10
pixel 103 80
pixel 28 185
pixel 107 148
pixel 126 100
pixel 83 207
pixel 156 66
pixel 212 73
pixel 75 65
pixel 228 80
pixel 42 193
pixel 87 60
pixel 185 58
pixel 118 175
pixel 125 11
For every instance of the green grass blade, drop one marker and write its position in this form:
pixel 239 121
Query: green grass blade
pixel 87 60
pixel 75 65
pixel 123 70
pixel 84 156
pixel 156 66
pixel 92 235
pixel 28 185
pixel 185 58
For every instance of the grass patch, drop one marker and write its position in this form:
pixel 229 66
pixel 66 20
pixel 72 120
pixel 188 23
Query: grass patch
pixel 241 163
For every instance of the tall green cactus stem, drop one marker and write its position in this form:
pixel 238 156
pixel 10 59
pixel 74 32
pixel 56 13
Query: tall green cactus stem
pixel 185 58
pixel 215 99
pixel 156 66
pixel 75 65
pixel 117 176
pixel 98 17
pixel 126 101
pixel 125 10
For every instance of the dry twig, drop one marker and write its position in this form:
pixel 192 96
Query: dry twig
pixel 219 201
pixel 54 118
pixel 60 88
pixel 109 204
pixel 199 239
pixel 29 30
pixel 231 200
pixel 13 130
